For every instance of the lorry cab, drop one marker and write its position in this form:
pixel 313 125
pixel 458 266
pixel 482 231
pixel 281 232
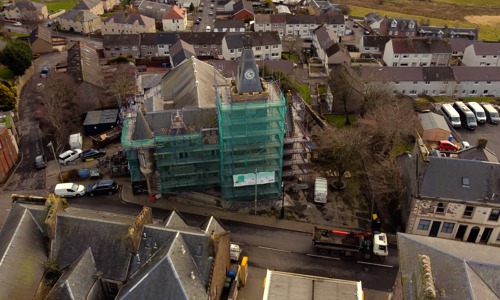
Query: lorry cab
pixel 380 246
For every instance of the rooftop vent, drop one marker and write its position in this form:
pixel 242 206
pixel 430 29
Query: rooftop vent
pixel 192 275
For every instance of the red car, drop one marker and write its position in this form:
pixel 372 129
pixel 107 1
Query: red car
pixel 446 145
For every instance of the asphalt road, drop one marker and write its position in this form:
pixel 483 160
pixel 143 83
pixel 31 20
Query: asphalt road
pixel 206 19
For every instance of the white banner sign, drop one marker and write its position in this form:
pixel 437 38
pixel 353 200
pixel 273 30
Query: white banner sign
pixel 249 179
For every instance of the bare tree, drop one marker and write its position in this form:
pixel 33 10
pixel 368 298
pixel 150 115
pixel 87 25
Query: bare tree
pixel 387 122
pixel 290 44
pixel 340 84
pixel 340 150
pixel 60 110
pixel 386 179
pixel 121 85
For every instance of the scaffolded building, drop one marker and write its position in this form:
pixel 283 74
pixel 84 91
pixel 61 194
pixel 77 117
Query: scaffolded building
pixel 230 136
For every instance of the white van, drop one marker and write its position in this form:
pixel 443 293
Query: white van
pixel 320 190
pixel 491 114
pixel 208 28
pixel 478 112
pixel 69 155
pixel 69 189
pixel 451 114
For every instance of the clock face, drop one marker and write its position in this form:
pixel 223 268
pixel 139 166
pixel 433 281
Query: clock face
pixel 249 74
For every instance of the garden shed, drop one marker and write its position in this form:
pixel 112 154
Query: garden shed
pixel 433 127
pixel 99 121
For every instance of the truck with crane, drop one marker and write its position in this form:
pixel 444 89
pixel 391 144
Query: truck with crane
pixel 357 243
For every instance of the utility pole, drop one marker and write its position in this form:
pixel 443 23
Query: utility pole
pixel 282 215
pixel 51 146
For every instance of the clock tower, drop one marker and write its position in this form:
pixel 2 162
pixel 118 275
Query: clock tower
pixel 248 80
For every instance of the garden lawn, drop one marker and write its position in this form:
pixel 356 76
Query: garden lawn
pixel 339 120
pixel 55 6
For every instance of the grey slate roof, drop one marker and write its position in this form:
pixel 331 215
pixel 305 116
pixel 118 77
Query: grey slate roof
pixel 191 84
pixel 83 64
pixel 369 73
pixel 166 38
pixel 173 261
pixel 421 45
pixel 106 116
pixel 181 51
pixel 78 15
pixel 77 230
pixel 438 74
pixel 459 45
pixel 196 118
pixel 464 73
pixel 87 4
pixel 118 40
pixel 152 9
pixel 151 80
pixel 41 32
pixel 142 130
pixel 213 225
pixel 243 5
pixel 229 68
pixel 486 48
pixel 129 18
pixel 460 270
pixel 443 179
pixel 175 221
pixel 23 249
pixel 432 120
pixel 375 41
pixel 229 23
pixel 236 40
pixel 248 85
pixel 78 280
pixel 477 153
pixel 201 38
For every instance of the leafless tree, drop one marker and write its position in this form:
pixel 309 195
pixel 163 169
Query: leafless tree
pixel 121 85
pixel 340 84
pixel 386 179
pixel 61 114
pixel 341 150
pixel 388 122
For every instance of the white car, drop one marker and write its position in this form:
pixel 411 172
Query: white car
pixel 17 24
pixel 69 155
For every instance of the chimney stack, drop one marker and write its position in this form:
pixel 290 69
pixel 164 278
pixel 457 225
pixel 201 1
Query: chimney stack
pixel 481 143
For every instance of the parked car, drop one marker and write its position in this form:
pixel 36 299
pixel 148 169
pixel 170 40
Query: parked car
pixel 197 22
pixel 40 162
pixel 69 189
pixel 102 187
pixel 445 145
pixel 210 13
pixel 366 32
pixel 355 25
pixel 200 9
pixel 17 24
pixel 44 72
pixel 69 156
pixel 92 154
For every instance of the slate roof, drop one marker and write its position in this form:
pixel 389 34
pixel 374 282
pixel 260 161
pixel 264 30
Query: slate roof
pixel 443 179
pixel 243 5
pixel 27 6
pixel 459 45
pixel 477 153
pixel 106 116
pixel 420 45
pixel 236 40
pixel 369 73
pixel 201 38
pixel 78 280
pixel 464 73
pixel 376 41
pixel 117 40
pixel 151 80
pixel 166 38
pixel 460 270
pixel 173 261
pixel 87 4
pixel 229 68
pixel 152 9
pixel 229 23
pixel 83 64
pixel 486 48
pixel 41 32
pixel 248 85
pixel 432 120
pixel 438 74
pixel 130 18
pixel 78 15
pixel 23 248
pixel 181 51
pixel 193 118
pixel 190 89
pixel 401 24
pixel 142 131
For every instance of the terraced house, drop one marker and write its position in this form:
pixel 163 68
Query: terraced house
pixel 125 22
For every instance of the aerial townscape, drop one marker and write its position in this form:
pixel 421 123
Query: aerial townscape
pixel 250 149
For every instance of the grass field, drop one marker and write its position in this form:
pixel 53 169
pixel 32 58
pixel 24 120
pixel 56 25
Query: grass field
pixel 55 6
pixel 484 14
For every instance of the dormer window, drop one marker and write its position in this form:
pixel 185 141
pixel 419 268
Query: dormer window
pixel 394 23
pixel 411 25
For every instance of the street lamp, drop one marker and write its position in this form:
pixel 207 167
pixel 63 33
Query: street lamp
pixel 51 146
pixel 255 212
pixel 282 215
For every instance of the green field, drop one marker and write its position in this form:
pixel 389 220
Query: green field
pixel 490 33
pixel 471 2
pixel 55 6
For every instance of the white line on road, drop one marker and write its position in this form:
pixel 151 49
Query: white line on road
pixel 321 256
pixel 379 265
pixel 241 244
pixel 281 250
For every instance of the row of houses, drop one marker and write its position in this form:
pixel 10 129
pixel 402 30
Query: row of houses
pixel 219 45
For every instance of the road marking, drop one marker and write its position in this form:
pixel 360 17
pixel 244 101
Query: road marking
pixel 373 264
pixel 321 256
pixel 281 250
pixel 241 244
